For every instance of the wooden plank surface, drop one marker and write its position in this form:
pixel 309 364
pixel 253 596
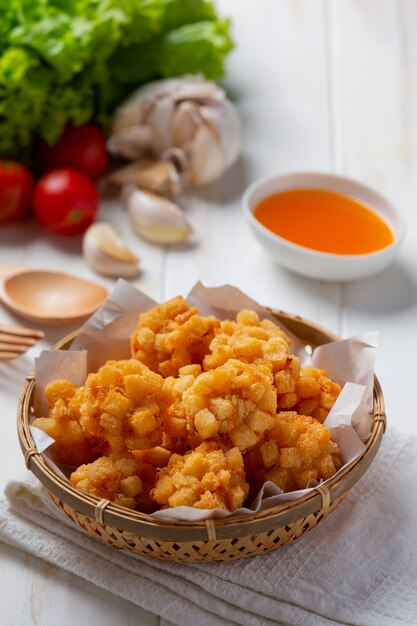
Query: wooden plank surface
pixel 376 52
pixel 328 86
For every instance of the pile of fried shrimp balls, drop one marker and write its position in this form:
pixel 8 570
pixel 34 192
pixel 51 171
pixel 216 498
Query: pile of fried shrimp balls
pixel 202 415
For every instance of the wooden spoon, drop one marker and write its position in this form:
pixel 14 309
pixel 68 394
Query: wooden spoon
pixel 49 297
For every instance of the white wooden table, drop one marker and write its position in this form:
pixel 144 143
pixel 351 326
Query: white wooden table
pixel 328 86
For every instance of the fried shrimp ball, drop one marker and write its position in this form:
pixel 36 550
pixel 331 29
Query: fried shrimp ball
pixel 123 404
pixel 120 408
pixel 123 480
pixel 205 478
pixel 235 403
pixel 172 335
pixel 62 424
pixel 248 339
pixel 296 449
pixel 316 393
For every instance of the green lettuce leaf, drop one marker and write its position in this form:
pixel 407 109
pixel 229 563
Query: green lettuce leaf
pixel 25 86
pixel 200 47
pixel 68 104
pixel 180 12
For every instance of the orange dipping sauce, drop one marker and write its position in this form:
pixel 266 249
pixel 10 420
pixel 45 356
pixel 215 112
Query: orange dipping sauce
pixel 324 221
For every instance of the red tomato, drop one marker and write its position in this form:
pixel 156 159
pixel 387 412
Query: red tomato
pixel 81 147
pixel 16 184
pixel 65 201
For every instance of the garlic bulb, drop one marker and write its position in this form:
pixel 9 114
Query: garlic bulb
pixel 106 253
pixel 187 117
pixel 155 218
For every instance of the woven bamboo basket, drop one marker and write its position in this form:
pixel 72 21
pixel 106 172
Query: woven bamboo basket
pixel 211 540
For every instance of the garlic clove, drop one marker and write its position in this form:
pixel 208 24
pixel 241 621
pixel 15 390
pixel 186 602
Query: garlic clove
pixel 185 123
pixel 178 158
pixel 106 253
pixel 159 119
pixel 155 218
pixel 206 157
pixel 132 143
pixel 157 176
pixel 225 123
pixel 126 117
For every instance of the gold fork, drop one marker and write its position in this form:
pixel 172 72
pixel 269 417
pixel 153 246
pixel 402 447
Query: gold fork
pixel 14 341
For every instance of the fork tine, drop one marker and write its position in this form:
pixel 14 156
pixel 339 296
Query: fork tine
pixel 15 340
pixel 22 332
pixel 18 349
pixel 8 356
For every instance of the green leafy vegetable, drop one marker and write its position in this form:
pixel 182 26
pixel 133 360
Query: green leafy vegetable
pixel 187 49
pixel 184 50
pixel 69 61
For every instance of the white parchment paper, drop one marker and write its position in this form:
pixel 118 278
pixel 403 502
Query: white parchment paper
pixel 106 335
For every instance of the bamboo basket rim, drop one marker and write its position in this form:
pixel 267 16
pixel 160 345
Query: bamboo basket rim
pixel 143 524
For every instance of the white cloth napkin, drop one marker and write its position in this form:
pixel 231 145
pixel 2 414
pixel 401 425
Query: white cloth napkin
pixel 357 567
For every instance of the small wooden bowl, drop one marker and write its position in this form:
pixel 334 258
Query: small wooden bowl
pixel 211 540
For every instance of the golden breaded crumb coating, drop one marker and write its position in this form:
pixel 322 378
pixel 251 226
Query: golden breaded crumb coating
pixel 172 335
pixel 123 404
pixel 62 424
pixel 59 390
pixel 123 480
pixel 205 478
pixel 120 408
pixel 235 403
pixel 316 393
pixel 247 340
pixel 175 435
pixel 251 340
pixel 285 382
pixel 296 449
pixel 157 456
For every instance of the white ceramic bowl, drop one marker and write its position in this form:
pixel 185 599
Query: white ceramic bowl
pixel 312 263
